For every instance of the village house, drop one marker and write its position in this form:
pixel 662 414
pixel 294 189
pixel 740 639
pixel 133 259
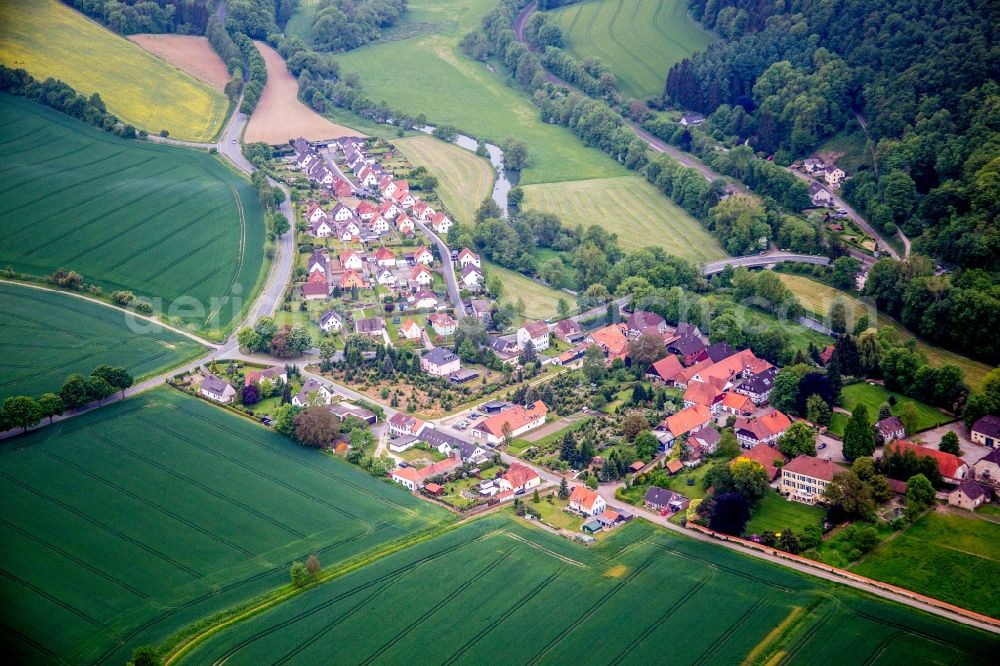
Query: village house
pixel 660 499
pixel 518 420
pixel 504 348
pixel 441 224
pixel 820 196
pixel 408 477
pixel 572 357
pixel 890 429
pixel 953 469
pixel 274 373
pixel 404 424
pixel 612 342
pixel 313 392
pixel 424 300
pixel 318 263
pixel 535 332
pixel 421 275
pixel 987 469
pixel 351 260
pixel 683 422
pixel 344 409
pixel 385 277
pixel 719 352
pixel 352 280
pixel 321 228
pixel 217 389
pixel 758 387
pixel 968 495
pixel 472 277
pixel 410 330
pixel 385 257
pixel 440 362
pixel 443 324
pixel 707 393
pixel 986 431
pixel 569 331
pixel 468 258
pixel 641 321
pixel 689 347
pixel 378 225
pixel 342 213
pixel 403 198
pixel 769 458
pixel 519 477
pixel 331 322
pixel 805 478
pixel 665 370
pixel 423 256
pixel 765 429
pixel 316 288
pixel 734 403
pixel 692 120
pixel 390 211
pixel 707 438
pixel 481 310
pixel 834 177
pixel 586 502
pixel 372 326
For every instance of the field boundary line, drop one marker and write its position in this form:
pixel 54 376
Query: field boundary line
pixel 532 544
pixel 65 605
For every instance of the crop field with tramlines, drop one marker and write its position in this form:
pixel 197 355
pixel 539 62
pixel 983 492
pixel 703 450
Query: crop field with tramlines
pixel 638 39
pixel 163 222
pixel 641 595
pixel 45 336
pixel 127 523
pixel 50 39
pixel 464 179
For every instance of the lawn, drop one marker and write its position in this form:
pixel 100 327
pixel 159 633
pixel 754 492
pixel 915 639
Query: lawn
pixel 775 514
pixel 539 301
pixel 173 225
pixel 49 39
pixel 46 336
pixel 638 39
pixel 451 88
pixel 945 556
pixel 553 514
pixel 817 298
pixel 464 179
pixel 499 586
pixel 849 149
pixel 132 521
pixel 630 207
pixel 873 395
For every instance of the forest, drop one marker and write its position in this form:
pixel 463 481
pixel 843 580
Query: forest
pixel 920 77
pixel 127 17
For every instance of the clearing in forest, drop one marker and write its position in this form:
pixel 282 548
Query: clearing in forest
pixel 280 115
pixel 172 225
pixel 49 39
pixel 130 522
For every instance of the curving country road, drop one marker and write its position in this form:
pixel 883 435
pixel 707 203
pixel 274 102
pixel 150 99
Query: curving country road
pixel 761 260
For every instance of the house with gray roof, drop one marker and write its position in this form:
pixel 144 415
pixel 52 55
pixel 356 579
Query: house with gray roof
pixel 217 389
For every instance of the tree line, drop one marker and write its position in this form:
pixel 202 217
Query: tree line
pixel 26 411
pixel 127 17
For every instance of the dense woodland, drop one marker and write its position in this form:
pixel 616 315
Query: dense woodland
pixel 922 76
pixel 185 17
pixel 342 25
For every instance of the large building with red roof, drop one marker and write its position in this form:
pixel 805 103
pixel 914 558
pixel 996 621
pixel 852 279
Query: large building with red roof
pixel 953 469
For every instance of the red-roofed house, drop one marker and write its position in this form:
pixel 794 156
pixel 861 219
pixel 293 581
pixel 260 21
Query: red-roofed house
pixel 350 280
pixel 734 403
pixel 351 260
pixel 585 501
pixel 767 457
pixel 274 373
pixel 385 257
pixel 410 330
pixel 421 275
pixel 612 341
pixel 423 256
pixel 404 224
pixel 665 370
pixel 367 210
pixel 520 419
pixel 684 421
pixel 765 429
pixel 407 477
pixel 805 478
pixel 519 477
pixel 441 223
pixel 443 324
pixel 404 424
pixel 953 469
pixel 468 258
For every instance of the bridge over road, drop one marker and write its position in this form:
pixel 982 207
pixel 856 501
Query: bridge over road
pixel 762 260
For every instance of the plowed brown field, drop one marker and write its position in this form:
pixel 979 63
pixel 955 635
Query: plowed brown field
pixel 191 54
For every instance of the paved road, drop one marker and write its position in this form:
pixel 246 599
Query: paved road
pixel 761 260
pixel 448 268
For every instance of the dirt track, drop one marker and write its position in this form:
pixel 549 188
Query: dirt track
pixel 280 115
pixel 191 54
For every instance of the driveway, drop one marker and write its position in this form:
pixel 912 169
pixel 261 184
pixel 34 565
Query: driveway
pixel 971 453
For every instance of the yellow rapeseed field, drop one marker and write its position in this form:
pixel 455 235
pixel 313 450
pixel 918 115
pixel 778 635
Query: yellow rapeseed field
pixel 49 39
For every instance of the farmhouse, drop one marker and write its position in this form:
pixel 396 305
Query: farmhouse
pixel 569 331
pixel 734 403
pixel 407 477
pixel 586 502
pixel 684 421
pixel 968 495
pixel 765 429
pixel 331 322
pixel 404 424
pixel 707 438
pixel 535 332
pixel 217 389
pixel 689 347
pixel 758 387
pixel 518 419
pixel 805 478
pixel 519 477
pixel 440 362
pixel 987 468
pixel 953 469
pixel 665 370
pixel 612 341
pixel 986 431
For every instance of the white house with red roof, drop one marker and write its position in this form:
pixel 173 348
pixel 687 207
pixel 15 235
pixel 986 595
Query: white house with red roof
pixel 351 260
pixel 469 258
pixel 423 256
pixel 314 213
pixel 378 225
pixel 385 257
pixel 587 502
pixel 410 330
pixel 404 424
pixel 367 177
pixel 422 275
pixel 537 332
pixel 403 198
pixel 519 419
pixel 443 324
pixel 367 211
pixel 386 186
pixel 418 208
pixel 404 224
pixel 441 223
pixel 390 210
pixel 519 477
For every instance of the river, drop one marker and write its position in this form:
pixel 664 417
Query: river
pixel 501 185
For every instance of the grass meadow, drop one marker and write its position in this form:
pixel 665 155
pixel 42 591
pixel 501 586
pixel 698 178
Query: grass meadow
pixel 130 522
pixel 817 298
pixel 873 395
pixel 167 223
pixel 630 207
pixel 45 336
pixel 49 39
pixel 539 301
pixel 638 39
pixel 497 586
pixel 776 514
pixel 464 179
pixel 418 67
pixel 945 556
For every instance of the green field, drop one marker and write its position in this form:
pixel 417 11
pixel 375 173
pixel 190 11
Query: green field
pixel 629 207
pixel 422 51
pixel 173 225
pixel 49 39
pixel 300 23
pixel 872 396
pixel 948 557
pixel 775 513
pixel 464 179
pixel 497 586
pixel 817 298
pixel 638 39
pixel 45 336
pixel 127 523
pixel 539 301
